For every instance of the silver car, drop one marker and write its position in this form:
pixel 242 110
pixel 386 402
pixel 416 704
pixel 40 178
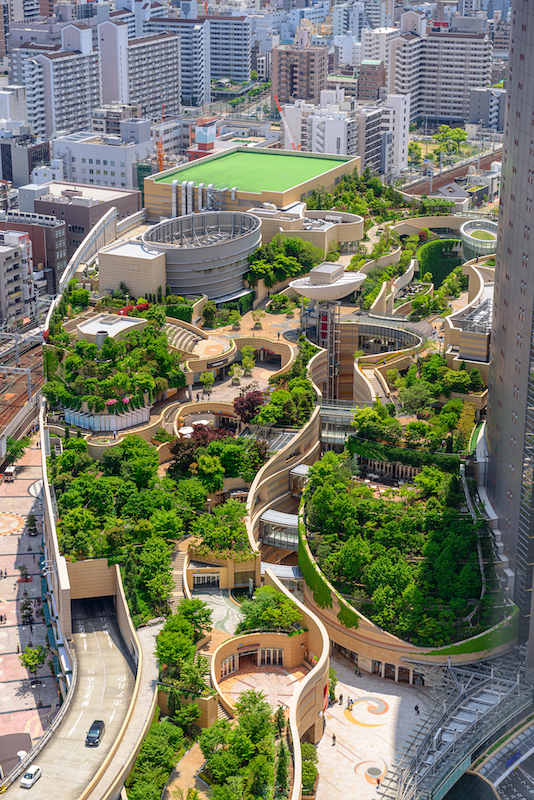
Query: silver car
pixel 31 775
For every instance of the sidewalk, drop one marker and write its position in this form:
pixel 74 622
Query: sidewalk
pixel 19 711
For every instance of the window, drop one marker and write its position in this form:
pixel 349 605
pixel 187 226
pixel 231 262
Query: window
pixel 105 163
pixel 90 160
pixel 83 160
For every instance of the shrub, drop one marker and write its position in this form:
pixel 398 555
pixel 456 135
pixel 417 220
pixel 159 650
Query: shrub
pixel 309 774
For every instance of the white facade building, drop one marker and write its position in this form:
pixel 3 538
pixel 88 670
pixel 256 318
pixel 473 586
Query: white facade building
pixel 341 126
pixel 350 49
pixel 17 280
pixel 230 48
pixel 49 74
pixel 396 118
pixel 349 16
pixel 13 103
pixel 102 160
pixel 376 44
pixel 55 171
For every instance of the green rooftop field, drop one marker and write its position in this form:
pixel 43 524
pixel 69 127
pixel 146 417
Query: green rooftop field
pixel 482 234
pixel 255 172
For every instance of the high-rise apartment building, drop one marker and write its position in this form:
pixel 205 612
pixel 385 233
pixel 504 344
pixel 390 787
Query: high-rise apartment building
pixel 349 16
pixel 48 238
pixel 230 47
pixel 194 56
pixel 144 72
pixel 17 287
pixel 299 71
pixel 438 69
pixel 341 126
pixel 49 73
pixel 510 427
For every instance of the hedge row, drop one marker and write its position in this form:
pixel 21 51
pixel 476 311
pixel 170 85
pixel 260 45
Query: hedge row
pixel 379 451
pixel 315 580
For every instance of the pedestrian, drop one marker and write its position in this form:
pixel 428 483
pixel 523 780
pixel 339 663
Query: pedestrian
pixel 31 628
pixel 333 740
pixel 278 334
pixel 198 397
pixel 5 571
pixel 378 781
pixel 18 648
pixel 340 699
pixel 417 710
pixel 34 556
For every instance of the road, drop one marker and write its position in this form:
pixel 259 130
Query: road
pixel 103 691
pixel 519 785
pixel 424 186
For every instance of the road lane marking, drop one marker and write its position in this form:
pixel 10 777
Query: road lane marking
pixel 73 727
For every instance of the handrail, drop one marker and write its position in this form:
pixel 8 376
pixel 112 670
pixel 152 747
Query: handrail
pixel 85 246
pixel 416 764
pixel 36 749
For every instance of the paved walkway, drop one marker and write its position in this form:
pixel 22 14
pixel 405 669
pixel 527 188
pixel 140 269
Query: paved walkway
pixel 18 700
pixel 185 776
pixel 369 738
pixel 225 613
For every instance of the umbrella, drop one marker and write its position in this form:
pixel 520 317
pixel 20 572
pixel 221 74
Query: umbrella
pixel 187 431
pixel 201 422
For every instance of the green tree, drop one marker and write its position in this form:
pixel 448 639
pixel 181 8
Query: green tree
pixel 15 449
pixel 211 472
pixel 269 609
pixel 186 716
pixel 414 152
pixel 173 648
pixel 207 380
pixel 332 683
pixel 33 658
pixel 214 737
pixel 197 613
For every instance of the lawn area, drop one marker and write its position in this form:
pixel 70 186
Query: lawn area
pixel 254 172
pixel 488 236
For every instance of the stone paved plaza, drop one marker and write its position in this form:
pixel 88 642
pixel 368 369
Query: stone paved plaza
pixel 369 737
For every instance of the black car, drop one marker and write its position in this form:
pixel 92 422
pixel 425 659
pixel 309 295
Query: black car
pixel 95 734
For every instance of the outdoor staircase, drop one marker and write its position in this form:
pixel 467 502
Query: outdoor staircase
pixel 376 385
pixel 181 339
pixel 177 563
pixel 208 657
pixel 222 713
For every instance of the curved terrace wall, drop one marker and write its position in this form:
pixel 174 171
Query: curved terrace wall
pixel 310 698
pixel 272 480
pixel 351 629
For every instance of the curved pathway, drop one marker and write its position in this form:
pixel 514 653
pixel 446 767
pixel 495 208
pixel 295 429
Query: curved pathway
pixel 225 613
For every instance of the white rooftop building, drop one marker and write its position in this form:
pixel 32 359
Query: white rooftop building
pixel 102 159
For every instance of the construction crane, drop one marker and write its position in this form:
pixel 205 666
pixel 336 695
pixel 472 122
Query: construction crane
pixel 286 126
pixel 160 155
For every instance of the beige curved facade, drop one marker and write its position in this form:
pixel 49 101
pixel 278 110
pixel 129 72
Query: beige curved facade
pixel 310 698
pixel 383 653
